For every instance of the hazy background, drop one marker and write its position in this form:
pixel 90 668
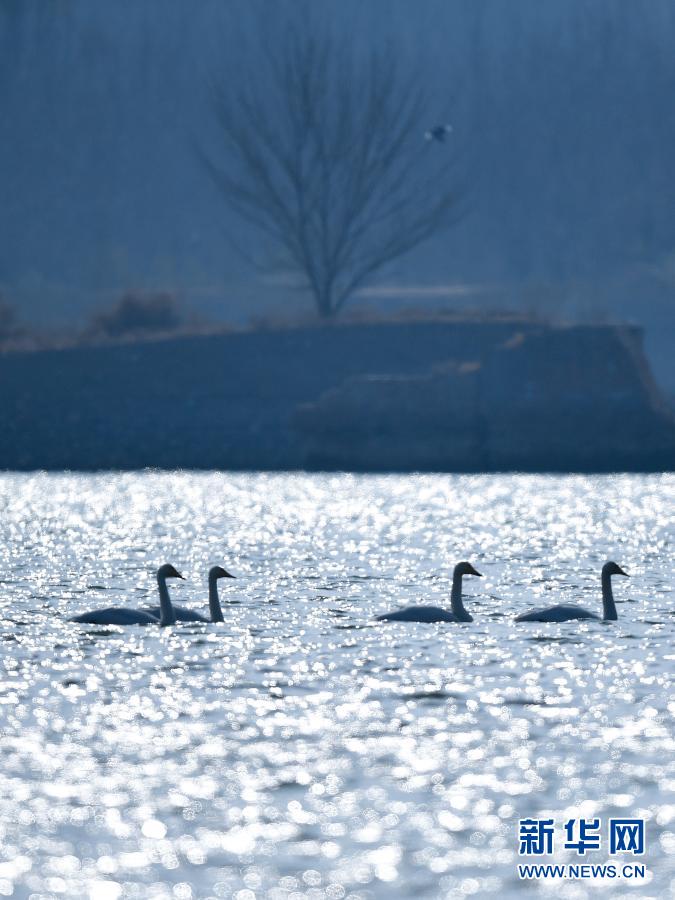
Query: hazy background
pixel 564 131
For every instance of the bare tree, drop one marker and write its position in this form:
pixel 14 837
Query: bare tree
pixel 324 151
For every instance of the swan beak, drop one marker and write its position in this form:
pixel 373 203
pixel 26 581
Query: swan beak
pixel 621 572
pixel 227 575
pixel 182 577
pixel 475 572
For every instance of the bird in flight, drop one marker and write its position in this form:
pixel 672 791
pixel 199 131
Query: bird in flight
pixel 438 133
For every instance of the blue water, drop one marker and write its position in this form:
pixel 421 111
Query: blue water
pixel 300 749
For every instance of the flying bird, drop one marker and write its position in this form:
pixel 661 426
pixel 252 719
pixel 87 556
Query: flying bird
pixel 438 133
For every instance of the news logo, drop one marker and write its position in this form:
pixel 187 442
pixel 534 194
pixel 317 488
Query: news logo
pixel 537 837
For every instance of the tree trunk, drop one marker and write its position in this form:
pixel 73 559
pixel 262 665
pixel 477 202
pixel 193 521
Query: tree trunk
pixel 324 304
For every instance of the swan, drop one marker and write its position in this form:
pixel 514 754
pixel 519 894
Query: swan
pixel 435 613
pixel 118 615
pixel 566 613
pixel 183 614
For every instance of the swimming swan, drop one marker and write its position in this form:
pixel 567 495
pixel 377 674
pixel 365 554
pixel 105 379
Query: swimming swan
pixel 435 613
pixel 569 612
pixel 118 615
pixel 183 614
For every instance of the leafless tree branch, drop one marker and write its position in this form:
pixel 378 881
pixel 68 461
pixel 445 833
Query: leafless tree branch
pixel 323 151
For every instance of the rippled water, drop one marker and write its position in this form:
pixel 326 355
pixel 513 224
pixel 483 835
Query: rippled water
pixel 302 750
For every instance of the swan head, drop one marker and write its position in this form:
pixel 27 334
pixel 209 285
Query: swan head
pixel 611 568
pixel 465 568
pixel 219 572
pixel 168 571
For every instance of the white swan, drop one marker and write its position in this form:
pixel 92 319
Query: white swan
pixel 567 613
pixel 435 613
pixel 183 614
pixel 118 615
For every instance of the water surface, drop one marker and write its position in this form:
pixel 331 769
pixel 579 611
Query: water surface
pixel 300 749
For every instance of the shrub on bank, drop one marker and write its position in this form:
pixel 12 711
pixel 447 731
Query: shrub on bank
pixel 7 320
pixel 138 314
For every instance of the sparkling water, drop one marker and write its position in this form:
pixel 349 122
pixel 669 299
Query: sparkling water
pixel 302 749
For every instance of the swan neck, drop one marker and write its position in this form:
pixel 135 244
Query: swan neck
pixel 456 600
pixel 167 616
pixel 608 606
pixel 214 602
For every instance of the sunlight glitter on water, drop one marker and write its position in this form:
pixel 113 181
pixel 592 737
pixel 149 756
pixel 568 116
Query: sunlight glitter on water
pixel 301 749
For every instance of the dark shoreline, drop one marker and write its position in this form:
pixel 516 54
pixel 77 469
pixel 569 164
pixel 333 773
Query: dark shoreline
pixel 401 396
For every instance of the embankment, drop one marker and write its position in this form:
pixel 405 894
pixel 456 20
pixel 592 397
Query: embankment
pixel 448 395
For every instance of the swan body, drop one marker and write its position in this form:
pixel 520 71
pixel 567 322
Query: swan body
pixel 183 614
pixel 556 614
pixel 119 615
pixel 434 613
pixel 571 612
pixel 419 614
pixel 116 615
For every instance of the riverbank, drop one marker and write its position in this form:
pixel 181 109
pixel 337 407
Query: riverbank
pixel 431 394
